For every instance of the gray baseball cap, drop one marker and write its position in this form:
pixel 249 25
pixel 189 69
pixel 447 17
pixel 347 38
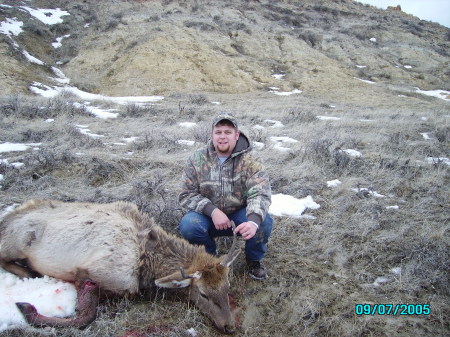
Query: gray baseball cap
pixel 225 116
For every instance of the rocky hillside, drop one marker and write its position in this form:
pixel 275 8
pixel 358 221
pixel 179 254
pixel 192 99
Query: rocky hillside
pixel 332 49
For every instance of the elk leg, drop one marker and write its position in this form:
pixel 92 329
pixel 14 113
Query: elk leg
pixel 87 300
pixel 19 268
pixel 15 269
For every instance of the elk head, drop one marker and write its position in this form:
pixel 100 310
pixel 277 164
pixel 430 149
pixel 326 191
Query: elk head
pixel 209 286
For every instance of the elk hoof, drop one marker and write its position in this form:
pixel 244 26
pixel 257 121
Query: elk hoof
pixel 26 309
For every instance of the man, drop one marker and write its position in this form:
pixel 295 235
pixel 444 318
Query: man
pixel 224 182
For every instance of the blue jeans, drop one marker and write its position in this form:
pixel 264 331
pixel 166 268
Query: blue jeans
pixel 199 229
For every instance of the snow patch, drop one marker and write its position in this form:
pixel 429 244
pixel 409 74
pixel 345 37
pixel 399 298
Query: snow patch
pixel 334 183
pixel 47 16
pixel 286 205
pixel 328 118
pixel 16 147
pixel 50 296
pixel 11 27
pixel 187 124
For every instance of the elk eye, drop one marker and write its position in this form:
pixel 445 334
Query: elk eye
pixel 204 296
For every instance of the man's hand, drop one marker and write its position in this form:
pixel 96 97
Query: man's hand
pixel 220 220
pixel 246 229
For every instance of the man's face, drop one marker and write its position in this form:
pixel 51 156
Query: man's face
pixel 224 138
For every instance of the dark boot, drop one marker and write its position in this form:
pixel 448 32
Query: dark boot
pixel 256 270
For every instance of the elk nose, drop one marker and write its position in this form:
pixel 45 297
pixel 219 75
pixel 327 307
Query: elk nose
pixel 229 329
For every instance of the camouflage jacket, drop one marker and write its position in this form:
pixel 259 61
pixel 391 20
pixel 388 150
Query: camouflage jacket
pixel 239 182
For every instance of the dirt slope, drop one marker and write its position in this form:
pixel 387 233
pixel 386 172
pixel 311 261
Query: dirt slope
pixel 160 47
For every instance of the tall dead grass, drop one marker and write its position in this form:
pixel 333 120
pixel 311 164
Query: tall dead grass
pixel 319 268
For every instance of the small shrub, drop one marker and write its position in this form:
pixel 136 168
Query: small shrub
pixel 113 21
pixel 151 196
pixel 101 172
pixel 443 134
pixel 37 172
pixel 51 159
pixel 136 110
pixel 4 167
pixel 155 141
pixel 398 138
pixel 322 8
pixel 198 99
pixel 153 18
pixel 199 25
pixel 62 104
pixel 314 39
pixel 131 45
pixel 319 149
pixel 185 111
pixel 25 107
pixel 35 136
pixel 293 21
pixel 9 105
pixel 202 133
pixel 239 47
pixel 111 24
pixel 35 28
pixel 73 136
pixel 258 135
pixel 341 160
pixel 147 143
pixel 298 115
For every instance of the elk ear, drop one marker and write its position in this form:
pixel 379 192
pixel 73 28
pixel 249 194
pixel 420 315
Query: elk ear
pixel 233 252
pixel 229 259
pixel 177 280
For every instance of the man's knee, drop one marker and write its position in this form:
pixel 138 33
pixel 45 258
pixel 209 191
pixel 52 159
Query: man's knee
pixel 192 226
pixel 187 229
pixel 266 226
pixel 184 229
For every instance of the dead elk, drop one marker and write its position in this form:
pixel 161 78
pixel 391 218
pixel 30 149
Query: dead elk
pixel 113 247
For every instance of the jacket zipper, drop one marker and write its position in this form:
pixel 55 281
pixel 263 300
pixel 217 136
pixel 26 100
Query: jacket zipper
pixel 222 191
pixel 222 184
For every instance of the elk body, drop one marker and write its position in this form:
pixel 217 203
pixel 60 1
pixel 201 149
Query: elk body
pixel 112 247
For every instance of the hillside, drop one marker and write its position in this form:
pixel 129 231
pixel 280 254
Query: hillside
pixel 346 104
pixel 135 48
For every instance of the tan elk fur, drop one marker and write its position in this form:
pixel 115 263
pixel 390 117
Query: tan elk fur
pixel 116 246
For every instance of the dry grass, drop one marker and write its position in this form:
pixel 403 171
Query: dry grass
pixel 320 268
